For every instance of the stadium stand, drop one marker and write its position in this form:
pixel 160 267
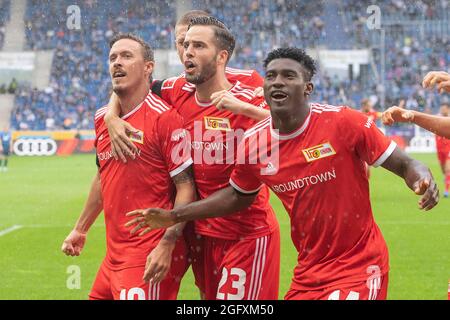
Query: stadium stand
pixel 4 18
pixel 79 78
pixel 80 83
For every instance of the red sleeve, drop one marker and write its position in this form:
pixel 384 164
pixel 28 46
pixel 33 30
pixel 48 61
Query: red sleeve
pixel 259 102
pixel 174 142
pixel 257 80
pixel 369 142
pixel 242 178
pixel 98 120
pixel 168 90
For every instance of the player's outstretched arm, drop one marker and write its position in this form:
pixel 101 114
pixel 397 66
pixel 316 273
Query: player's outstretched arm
pixel 224 100
pixel 440 79
pixel 416 175
pixel 221 203
pixel 121 144
pixel 159 260
pixel 74 242
pixel 436 124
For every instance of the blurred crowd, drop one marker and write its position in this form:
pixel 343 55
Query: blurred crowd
pixel 80 82
pixel 261 25
pixel 5 6
pixel 410 51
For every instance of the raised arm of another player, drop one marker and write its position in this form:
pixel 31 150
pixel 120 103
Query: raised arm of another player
pixel 121 145
pixel 416 175
pixel 440 79
pixel 74 242
pixel 159 260
pixel 221 203
pixel 436 124
pixel 225 100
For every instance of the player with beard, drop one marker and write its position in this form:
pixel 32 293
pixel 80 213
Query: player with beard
pixel 240 252
pixel 119 130
pixel 320 180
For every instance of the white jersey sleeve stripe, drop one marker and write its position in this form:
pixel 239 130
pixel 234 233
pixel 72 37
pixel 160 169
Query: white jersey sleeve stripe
pixel 234 185
pixel 385 155
pixel 157 103
pixel 180 169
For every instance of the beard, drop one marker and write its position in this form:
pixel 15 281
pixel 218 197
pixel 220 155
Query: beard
pixel 206 73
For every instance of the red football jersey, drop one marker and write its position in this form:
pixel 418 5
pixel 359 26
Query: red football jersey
pixel 318 172
pixel 214 145
pixel 250 78
pixel 141 183
pixel 442 144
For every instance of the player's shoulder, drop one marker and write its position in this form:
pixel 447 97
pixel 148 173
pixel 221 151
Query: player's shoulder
pixel 322 110
pixel 240 73
pixel 100 115
pixel 177 83
pixel 243 92
pixel 156 105
pixel 259 128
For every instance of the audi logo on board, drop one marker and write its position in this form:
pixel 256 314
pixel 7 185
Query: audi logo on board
pixel 35 147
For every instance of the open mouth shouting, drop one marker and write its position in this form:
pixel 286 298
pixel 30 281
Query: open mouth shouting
pixel 119 74
pixel 189 66
pixel 278 96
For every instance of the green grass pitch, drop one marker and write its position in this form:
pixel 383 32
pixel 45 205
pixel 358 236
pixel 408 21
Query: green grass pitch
pixel 46 195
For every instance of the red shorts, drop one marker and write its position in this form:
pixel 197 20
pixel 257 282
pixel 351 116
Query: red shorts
pixel 127 284
pixel 443 157
pixel 195 245
pixel 242 269
pixel 372 289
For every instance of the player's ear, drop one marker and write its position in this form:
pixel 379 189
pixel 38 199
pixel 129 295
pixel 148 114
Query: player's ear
pixel 309 88
pixel 149 65
pixel 222 57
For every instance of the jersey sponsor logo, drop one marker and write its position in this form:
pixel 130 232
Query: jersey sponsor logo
pixel 263 104
pixel 104 156
pixel 35 147
pixel 304 182
pixel 179 134
pixel 369 123
pixel 136 136
pixel 213 123
pixel 209 146
pixel 319 152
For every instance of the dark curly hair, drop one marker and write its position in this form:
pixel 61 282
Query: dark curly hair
pixel 296 54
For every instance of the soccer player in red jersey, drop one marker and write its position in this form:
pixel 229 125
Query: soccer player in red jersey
pixel 443 151
pixel 160 175
pixel 320 180
pixel 118 129
pixel 240 252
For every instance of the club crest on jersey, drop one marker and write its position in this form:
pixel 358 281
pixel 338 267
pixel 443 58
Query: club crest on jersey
pixel 319 152
pixel 136 136
pixel 214 123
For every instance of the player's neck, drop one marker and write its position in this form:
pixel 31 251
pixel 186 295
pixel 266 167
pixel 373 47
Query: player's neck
pixel 287 122
pixel 131 99
pixel 218 82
